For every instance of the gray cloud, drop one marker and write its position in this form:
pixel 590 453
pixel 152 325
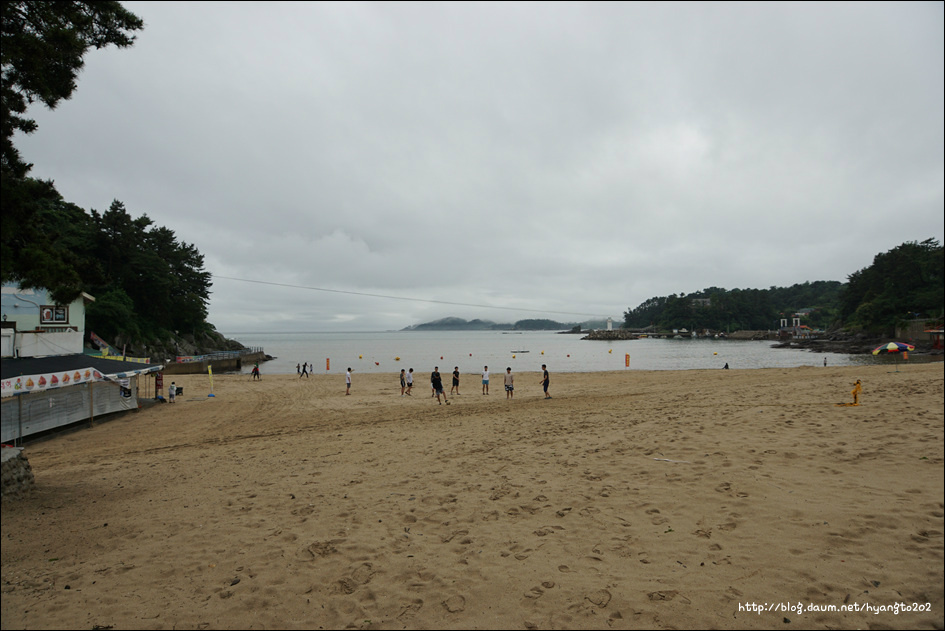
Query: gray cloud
pixel 553 158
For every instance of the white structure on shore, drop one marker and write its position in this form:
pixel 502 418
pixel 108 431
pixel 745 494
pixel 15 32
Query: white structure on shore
pixel 35 326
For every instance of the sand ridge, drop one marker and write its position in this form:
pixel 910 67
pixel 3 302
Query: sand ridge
pixel 656 499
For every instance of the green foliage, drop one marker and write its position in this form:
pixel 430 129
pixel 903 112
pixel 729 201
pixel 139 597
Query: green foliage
pixel 144 280
pixel 43 44
pixel 540 324
pixel 903 283
pixel 40 240
pixel 112 314
pixel 731 310
pixel 163 278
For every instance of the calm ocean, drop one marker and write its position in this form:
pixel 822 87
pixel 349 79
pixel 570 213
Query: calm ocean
pixel 525 352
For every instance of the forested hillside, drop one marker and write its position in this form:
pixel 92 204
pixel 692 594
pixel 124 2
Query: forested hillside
pixel 905 283
pixel 731 310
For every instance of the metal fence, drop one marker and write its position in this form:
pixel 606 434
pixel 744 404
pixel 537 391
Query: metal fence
pixel 186 359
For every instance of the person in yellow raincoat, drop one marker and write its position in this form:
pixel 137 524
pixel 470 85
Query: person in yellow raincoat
pixel 857 389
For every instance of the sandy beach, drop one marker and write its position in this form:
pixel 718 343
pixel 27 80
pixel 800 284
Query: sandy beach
pixel 729 499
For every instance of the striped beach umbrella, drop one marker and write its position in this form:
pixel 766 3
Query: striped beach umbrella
pixel 893 347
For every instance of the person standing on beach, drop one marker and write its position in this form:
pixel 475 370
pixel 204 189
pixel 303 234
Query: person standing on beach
pixel 172 392
pixel 409 382
pixel 298 368
pixel 403 381
pixel 348 382
pixel 304 371
pixel 857 389
pixel 545 380
pixel 455 380
pixel 509 383
pixel 485 380
pixel 256 371
pixel 437 383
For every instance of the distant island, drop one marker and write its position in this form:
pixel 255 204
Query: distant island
pixel 459 324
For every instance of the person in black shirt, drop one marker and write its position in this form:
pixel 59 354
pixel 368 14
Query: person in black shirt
pixel 437 383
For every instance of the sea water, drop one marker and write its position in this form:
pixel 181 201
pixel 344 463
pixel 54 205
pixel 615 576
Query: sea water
pixel 389 351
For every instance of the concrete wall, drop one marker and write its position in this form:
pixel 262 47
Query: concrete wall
pixel 234 364
pixel 914 332
pixel 31 344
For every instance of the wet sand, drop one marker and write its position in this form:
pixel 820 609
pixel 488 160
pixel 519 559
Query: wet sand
pixel 666 499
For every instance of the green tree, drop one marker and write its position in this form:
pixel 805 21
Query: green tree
pixel 112 314
pixel 730 310
pixel 164 279
pixel 901 283
pixel 47 250
pixel 43 45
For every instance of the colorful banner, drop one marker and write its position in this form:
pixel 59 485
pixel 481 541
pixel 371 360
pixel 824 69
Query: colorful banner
pixel 120 358
pixel 48 381
pixel 103 345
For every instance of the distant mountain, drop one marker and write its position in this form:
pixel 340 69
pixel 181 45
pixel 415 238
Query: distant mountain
pixel 459 324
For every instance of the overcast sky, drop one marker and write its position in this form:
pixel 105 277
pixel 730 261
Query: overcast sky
pixel 507 161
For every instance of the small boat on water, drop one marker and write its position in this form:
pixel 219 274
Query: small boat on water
pixel 519 351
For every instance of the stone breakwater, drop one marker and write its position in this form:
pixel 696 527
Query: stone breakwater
pixel 619 334
pixel 17 474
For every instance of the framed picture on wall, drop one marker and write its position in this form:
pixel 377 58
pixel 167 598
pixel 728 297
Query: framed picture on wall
pixel 53 314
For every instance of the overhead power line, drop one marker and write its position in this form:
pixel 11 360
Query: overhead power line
pixel 409 299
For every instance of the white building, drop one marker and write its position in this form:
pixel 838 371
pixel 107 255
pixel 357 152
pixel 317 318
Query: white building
pixel 35 326
pixel 46 381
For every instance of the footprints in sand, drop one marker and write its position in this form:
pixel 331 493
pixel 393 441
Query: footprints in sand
pixel 539 590
pixel 455 604
pixel 318 549
pixel 362 575
pixel 726 488
pixel 600 598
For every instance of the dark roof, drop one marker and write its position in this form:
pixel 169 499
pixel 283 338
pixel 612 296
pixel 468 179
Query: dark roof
pixel 10 368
